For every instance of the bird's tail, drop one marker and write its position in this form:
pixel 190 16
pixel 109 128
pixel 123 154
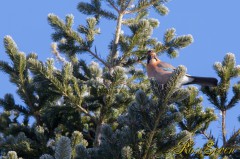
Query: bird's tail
pixel 204 81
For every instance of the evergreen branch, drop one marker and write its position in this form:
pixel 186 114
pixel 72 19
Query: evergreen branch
pixel 111 2
pixel 142 30
pixel 169 35
pixel 23 83
pixel 8 104
pixel 138 9
pixel 11 47
pixel 161 9
pixel 71 98
pixel 135 20
pixel 229 61
pixel 182 41
pixel 127 152
pixel 151 135
pixel 12 155
pixel 57 54
pixel 195 119
pixel 63 148
pixel 235 99
pixel 116 78
pixel 128 4
pixel 15 56
pixel 232 141
pixel 89 31
pixel 208 137
pixel 163 95
pixel 77 139
pixel 59 24
pixel 94 8
pixel 56 22
pixel 127 48
pixel 183 126
pixel 85 68
pixel 69 20
pixel 4 66
pixel 18 73
pixel 159 47
pixel 38 67
pixel 154 119
pixel 22 109
pixel 76 87
pixel 212 96
pixel 21 68
pixel 46 156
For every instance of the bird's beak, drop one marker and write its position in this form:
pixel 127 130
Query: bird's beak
pixel 149 57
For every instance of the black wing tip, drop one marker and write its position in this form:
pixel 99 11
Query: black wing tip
pixel 215 82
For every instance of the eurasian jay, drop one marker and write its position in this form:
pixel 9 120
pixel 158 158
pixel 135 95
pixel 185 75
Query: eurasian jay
pixel 162 71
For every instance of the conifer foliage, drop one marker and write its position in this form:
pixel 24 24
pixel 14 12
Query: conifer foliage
pixel 108 109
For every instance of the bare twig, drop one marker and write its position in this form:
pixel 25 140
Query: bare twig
pixel 81 108
pixel 98 58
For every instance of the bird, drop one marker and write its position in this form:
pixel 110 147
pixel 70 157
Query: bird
pixel 162 71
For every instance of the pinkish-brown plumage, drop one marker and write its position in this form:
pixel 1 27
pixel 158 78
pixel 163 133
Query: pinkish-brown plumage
pixel 162 71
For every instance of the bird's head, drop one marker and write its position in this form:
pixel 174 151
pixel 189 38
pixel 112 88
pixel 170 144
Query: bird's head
pixel 151 55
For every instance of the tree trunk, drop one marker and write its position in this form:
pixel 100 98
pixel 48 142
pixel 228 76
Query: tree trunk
pixel 224 126
pixel 98 134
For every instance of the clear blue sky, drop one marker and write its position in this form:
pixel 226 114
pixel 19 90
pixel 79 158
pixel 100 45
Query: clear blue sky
pixel 214 24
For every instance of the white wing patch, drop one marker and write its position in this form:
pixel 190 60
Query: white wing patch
pixel 186 79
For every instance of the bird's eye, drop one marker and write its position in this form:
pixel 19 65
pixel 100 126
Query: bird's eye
pixel 149 51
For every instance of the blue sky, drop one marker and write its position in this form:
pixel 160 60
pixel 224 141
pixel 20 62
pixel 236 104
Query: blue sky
pixel 214 25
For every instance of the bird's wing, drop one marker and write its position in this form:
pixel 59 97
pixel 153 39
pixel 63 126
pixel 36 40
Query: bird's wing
pixel 165 66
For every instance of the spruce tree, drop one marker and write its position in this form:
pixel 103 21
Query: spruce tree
pixel 108 108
